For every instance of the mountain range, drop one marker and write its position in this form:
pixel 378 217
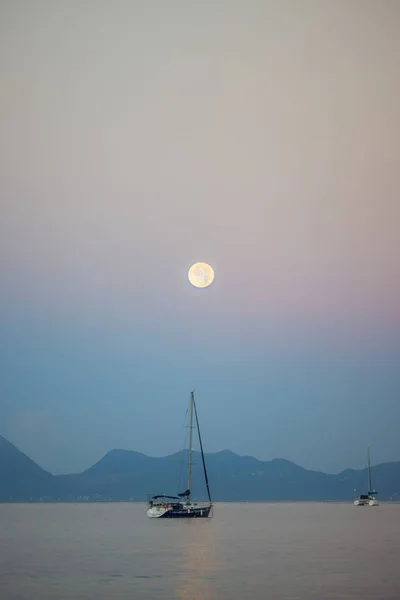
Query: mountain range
pixel 127 475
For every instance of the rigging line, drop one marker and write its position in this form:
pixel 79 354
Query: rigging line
pixel 202 452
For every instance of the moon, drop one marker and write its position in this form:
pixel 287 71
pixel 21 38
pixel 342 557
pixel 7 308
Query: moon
pixel 201 275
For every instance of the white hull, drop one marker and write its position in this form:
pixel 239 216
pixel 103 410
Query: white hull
pixel 155 512
pixel 366 502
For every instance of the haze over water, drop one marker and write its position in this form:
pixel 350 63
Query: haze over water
pixel 248 551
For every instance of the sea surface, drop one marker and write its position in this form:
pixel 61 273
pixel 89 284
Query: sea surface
pixel 247 551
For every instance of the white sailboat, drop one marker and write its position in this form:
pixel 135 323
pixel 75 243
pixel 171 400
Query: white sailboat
pixel 368 499
pixel 182 505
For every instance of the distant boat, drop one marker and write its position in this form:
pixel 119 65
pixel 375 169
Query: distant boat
pixel 181 506
pixel 369 498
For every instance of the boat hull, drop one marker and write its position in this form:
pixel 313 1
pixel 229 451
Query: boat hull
pixel 366 502
pixel 360 503
pixel 190 512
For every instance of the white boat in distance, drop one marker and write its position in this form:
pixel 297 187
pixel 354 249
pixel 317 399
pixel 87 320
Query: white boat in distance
pixel 181 506
pixel 368 499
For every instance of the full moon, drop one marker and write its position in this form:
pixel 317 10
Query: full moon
pixel 201 275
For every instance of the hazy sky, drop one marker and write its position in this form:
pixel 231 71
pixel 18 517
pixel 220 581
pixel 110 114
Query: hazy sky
pixel 138 137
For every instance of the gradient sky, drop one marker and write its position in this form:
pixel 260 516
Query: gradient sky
pixel 139 137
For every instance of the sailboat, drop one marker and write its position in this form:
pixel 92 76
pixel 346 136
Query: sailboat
pixel 369 498
pixel 182 506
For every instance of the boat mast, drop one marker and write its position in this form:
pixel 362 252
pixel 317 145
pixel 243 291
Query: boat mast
pixel 190 445
pixel 369 473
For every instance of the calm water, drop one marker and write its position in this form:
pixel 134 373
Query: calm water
pixel 247 551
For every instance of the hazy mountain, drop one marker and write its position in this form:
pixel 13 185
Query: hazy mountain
pixel 20 477
pixel 122 474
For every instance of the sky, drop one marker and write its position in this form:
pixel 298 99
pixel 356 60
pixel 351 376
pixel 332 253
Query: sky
pixel 139 137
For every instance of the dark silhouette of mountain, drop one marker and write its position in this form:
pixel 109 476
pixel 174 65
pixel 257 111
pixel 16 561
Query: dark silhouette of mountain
pixel 123 475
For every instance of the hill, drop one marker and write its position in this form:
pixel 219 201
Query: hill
pixel 20 477
pixel 123 475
